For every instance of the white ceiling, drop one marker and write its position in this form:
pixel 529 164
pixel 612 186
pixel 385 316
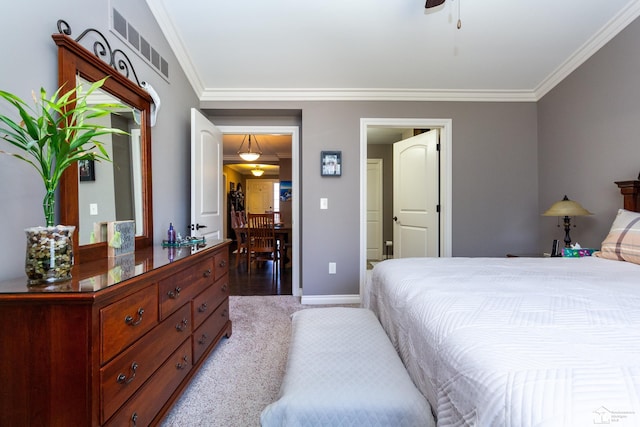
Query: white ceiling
pixel 385 49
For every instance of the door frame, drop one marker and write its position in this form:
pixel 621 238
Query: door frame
pixel 379 166
pixel 294 131
pixel 445 126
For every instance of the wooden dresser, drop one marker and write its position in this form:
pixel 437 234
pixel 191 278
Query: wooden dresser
pixel 115 346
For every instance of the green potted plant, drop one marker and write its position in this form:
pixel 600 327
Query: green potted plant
pixel 52 135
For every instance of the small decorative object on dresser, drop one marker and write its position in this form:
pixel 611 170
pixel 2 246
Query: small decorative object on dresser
pixel 121 236
pixel 53 135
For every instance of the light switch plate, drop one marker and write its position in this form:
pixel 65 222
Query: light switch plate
pixel 93 209
pixel 332 268
pixel 324 203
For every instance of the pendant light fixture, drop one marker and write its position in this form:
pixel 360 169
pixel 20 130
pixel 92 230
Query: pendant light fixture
pixel 249 153
pixel 257 171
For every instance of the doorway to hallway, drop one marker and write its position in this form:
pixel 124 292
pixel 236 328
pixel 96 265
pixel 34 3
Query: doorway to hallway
pixel 290 281
pixel 444 127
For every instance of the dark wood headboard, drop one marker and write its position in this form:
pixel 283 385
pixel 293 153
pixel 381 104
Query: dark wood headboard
pixel 630 190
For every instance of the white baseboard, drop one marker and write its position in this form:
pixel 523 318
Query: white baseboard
pixel 330 299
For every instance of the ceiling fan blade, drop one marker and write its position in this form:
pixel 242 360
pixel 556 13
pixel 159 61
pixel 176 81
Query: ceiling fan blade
pixel 433 3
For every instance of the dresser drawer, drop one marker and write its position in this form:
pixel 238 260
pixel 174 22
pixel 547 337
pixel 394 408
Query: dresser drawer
pixel 146 403
pixel 124 321
pixel 209 300
pixel 221 262
pixel 181 287
pixel 121 377
pixel 205 335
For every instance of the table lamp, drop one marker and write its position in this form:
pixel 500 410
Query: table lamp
pixel 566 208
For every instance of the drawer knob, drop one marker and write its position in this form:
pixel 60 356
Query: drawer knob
pixel 182 325
pixel 223 263
pixel 174 294
pixel 129 319
pixel 224 313
pixel 207 273
pixel 134 419
pixel 181 365
pixel 122 378
pixel 224 288
pixel 202 308
pixel 203 339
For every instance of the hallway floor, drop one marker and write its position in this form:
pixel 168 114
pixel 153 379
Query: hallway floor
pixel 261 281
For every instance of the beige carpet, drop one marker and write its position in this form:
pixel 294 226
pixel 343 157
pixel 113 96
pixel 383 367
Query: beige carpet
pixel 244 372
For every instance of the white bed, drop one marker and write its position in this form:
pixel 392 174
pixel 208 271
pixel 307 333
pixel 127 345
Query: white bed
pixel 516 341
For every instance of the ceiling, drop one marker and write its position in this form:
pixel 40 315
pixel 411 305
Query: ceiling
pixel 385 49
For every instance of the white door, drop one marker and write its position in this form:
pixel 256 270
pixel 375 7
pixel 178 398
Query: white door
pixel 259 195
pixel 206 178
pixel 415 196
pixel 374 209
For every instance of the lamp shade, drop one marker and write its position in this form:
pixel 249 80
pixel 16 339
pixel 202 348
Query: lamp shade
pixel 249 157
pixel 566 207
pixel 249 153
pixel 257 171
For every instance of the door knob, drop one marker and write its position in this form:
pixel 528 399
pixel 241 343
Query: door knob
pixel 395 218
pixel 198 226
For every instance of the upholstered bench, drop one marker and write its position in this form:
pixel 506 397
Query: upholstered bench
pixel 342 370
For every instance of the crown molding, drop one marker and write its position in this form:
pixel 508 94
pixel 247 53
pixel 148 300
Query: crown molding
pixel 355 94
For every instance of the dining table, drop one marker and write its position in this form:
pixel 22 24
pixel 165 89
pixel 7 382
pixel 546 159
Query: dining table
pixel 283 233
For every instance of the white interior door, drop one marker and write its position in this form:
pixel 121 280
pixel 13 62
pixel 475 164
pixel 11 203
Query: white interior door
pixel 415 196
pixel 259 195
pixel 206 178
pixel 374 209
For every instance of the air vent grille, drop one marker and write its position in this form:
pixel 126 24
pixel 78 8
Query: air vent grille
pixel 139 44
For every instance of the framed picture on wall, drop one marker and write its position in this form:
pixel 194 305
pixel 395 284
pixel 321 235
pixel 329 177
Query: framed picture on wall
pixel 331 163
pixel 87 170
pixel 285 191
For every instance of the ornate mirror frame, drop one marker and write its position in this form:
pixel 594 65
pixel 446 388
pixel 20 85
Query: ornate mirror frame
pixel 75 60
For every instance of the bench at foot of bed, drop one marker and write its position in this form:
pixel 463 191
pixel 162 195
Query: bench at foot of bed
pixel 343 371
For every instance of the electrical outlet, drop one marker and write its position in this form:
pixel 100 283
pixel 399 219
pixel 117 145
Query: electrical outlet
pixel 332 268
pixel 324 203
pixel 93 209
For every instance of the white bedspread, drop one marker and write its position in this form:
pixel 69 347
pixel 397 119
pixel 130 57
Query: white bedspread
pixel 516 341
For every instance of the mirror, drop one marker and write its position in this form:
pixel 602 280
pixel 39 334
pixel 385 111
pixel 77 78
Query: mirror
pixel 111 191
pixel 76 199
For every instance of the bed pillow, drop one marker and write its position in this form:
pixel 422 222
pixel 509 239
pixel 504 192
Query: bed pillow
pixel 623 241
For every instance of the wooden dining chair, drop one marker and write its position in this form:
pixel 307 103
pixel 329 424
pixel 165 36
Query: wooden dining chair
pixel 239 226
pixel 261 239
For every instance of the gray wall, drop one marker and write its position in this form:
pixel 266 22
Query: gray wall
pixel 588 130
pixel 29 61
pixel 495 207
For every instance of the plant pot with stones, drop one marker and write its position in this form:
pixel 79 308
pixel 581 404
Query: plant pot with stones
pixel 49 256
